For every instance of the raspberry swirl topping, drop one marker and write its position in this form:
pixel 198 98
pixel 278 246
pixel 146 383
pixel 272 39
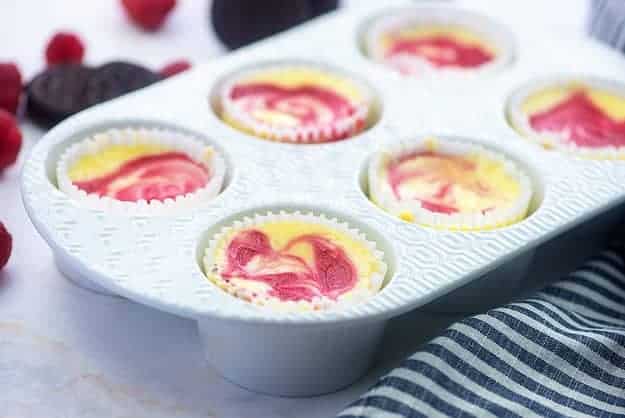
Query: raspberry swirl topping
pixel 308 266
pixel 440 51
pixel 299 106
pixel 450 184
pixel 580 121
pixel 296 103
pixel 149 177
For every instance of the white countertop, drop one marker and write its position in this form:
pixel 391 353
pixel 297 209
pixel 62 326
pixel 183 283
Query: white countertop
pixel 67 352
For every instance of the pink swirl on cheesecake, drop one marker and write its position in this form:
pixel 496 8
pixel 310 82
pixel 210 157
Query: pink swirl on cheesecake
pixel 434 178
pixel 580 121
pixel 440 51
pixel 150 177
pixel 308 105
pixel 331 273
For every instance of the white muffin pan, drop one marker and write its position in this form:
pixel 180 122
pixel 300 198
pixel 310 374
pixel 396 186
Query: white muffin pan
pixel 155 260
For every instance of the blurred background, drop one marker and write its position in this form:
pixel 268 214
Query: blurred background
pixel 188 32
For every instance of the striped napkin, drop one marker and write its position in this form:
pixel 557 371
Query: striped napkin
pixel 558 354
pixel 607 22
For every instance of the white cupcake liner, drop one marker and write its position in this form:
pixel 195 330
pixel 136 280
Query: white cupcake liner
pixel 520 121
pixel 382 195
pixel 493 33
pixel 340 130
pixel 176 141
pixel 319 303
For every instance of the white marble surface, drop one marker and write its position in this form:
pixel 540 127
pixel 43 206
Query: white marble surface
pixel 66 352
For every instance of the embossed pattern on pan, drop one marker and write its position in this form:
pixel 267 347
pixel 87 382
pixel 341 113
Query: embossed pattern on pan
pixel 155 260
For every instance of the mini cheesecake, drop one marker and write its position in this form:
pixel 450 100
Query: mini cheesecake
pixel 585 118
pixel 294 261
pixel 140 166
pixel 423 41
pixel 301 104
pixel 449 185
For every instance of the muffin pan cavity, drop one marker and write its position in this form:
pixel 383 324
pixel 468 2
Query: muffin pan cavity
pixel 455 157
pixel 424 41
pixel 278 101
pixel 297 240
pixel 111 147
pixel 558 112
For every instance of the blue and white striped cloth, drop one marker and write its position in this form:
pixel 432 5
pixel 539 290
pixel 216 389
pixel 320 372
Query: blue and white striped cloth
pixel 607 22
pixel 558 354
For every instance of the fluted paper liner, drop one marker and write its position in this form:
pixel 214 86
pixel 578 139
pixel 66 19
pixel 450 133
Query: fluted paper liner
pixel 382 195
pixel 168 139
pixel 520 121
pixel 341 129
pixel 376 279
pixel 493 33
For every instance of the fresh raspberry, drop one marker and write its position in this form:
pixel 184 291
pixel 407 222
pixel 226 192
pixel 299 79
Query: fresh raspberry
pixel 175 67
pixel 10 86
pixel 148 14
pixel 10 139
pixel 65 48
pixel 6 243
